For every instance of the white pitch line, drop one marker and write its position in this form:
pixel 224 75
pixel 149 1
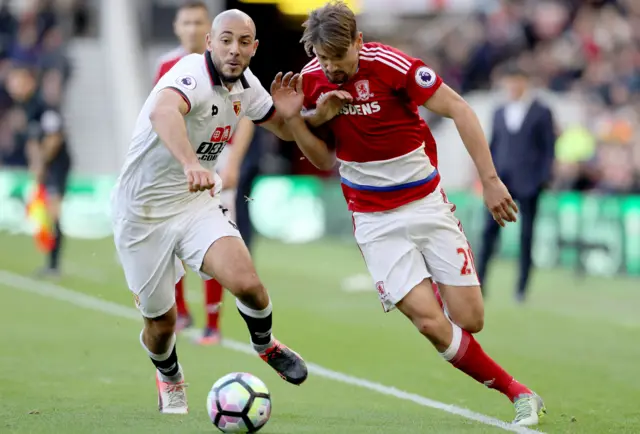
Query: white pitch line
pixel 80 299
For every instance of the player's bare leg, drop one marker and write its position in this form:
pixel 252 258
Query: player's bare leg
pixel 159 340
pixel 465 308
pixel 228 259
pixel 458 346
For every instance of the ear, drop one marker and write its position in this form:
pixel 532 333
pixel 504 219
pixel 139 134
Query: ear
pixel 207 39
pixel 255 47
pixel 359 41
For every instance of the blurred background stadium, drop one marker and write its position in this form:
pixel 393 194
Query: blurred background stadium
pixel 96 60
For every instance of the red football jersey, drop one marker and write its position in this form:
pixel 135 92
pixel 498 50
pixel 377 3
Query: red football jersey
pixel 386 151
pixel 167 61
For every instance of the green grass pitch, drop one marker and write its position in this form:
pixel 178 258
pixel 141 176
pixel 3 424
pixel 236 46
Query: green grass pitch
pixel 68 368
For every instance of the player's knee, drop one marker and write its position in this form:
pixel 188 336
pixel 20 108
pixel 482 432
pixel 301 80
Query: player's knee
pixel 247 288
pixel 162 328
pixel 473 322
pixel 433 328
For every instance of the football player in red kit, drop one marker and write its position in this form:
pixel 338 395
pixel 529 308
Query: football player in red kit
pixel 191 25
pixel 367 96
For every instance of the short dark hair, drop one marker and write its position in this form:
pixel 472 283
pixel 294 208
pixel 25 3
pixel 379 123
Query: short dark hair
pixel 333 27
pixel 193 4
pixel 513 69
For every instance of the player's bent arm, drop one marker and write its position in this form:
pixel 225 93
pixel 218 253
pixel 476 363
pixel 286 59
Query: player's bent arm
pixel 313 118
pixel 313 148
pixel 277 126
pixel 446 102
pixel 51 145
pixel 241 142
pixel 167 119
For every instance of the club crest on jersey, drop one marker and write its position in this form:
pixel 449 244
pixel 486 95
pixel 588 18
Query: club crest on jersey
pixel 237 107
pixel 380 288
pixel 363 90
pixel 187 82
pixel 425 77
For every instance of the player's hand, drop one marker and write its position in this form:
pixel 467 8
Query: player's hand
pixel 287 94
pixel 330 104
pixel 198 177
pixel 499 201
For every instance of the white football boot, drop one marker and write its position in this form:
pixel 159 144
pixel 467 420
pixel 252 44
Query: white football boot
pixel 172 397
pixel 529 410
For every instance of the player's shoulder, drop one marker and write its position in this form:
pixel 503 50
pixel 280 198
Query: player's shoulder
pixel 191 60
pixel 313 77
pixel 252 80
pixel 312 69
pixel 255 87
pixel 385 58
pixel 190 70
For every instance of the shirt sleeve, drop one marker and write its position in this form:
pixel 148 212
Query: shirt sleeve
pixel 307 88
pixel 190 86
pixel 261 107
pixel 408 74
pixel 51 122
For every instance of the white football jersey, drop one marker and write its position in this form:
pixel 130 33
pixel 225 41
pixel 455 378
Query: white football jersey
pixel 152 185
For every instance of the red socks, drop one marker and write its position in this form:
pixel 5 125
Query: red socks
pixel 213 298
pixel 181 304
pixel 466 354
pixel 436 292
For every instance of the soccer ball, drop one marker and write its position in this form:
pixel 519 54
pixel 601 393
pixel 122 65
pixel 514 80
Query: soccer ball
pixel 239 403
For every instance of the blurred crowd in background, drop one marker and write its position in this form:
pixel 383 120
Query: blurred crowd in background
pixel 33 35
pixel 589 50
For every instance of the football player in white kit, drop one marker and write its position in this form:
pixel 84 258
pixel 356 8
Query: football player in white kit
pixel 167 207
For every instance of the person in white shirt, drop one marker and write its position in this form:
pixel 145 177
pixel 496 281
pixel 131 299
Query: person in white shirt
pixel 522 142
pixel 166 203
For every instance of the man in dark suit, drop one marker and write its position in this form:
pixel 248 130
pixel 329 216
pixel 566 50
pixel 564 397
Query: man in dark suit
pixel 522 145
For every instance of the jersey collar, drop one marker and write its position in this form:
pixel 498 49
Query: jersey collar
pixel 215 77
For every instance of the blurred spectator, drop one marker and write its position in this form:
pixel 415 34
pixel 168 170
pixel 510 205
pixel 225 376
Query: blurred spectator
pixel 34 69
pixel 34 40
pixel 522 146
pixel 588 49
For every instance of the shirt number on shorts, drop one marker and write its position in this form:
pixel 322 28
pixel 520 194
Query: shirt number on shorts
pixel 468 267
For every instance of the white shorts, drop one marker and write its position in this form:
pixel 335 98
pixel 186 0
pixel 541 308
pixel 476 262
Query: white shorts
pixel 150 253
pixel 406 245
pixel 227 196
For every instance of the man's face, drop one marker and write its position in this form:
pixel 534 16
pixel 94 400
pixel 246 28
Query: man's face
pixel 233 45
pixel 516 86
pixel 191 27
pixel 338 69
pixel 21 84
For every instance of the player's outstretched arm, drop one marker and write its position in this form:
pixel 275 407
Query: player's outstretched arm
pixel 313 148
pixel 327 107
pixel 278 127
pixel 446 102
pixel 167 119
pixel 288 98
